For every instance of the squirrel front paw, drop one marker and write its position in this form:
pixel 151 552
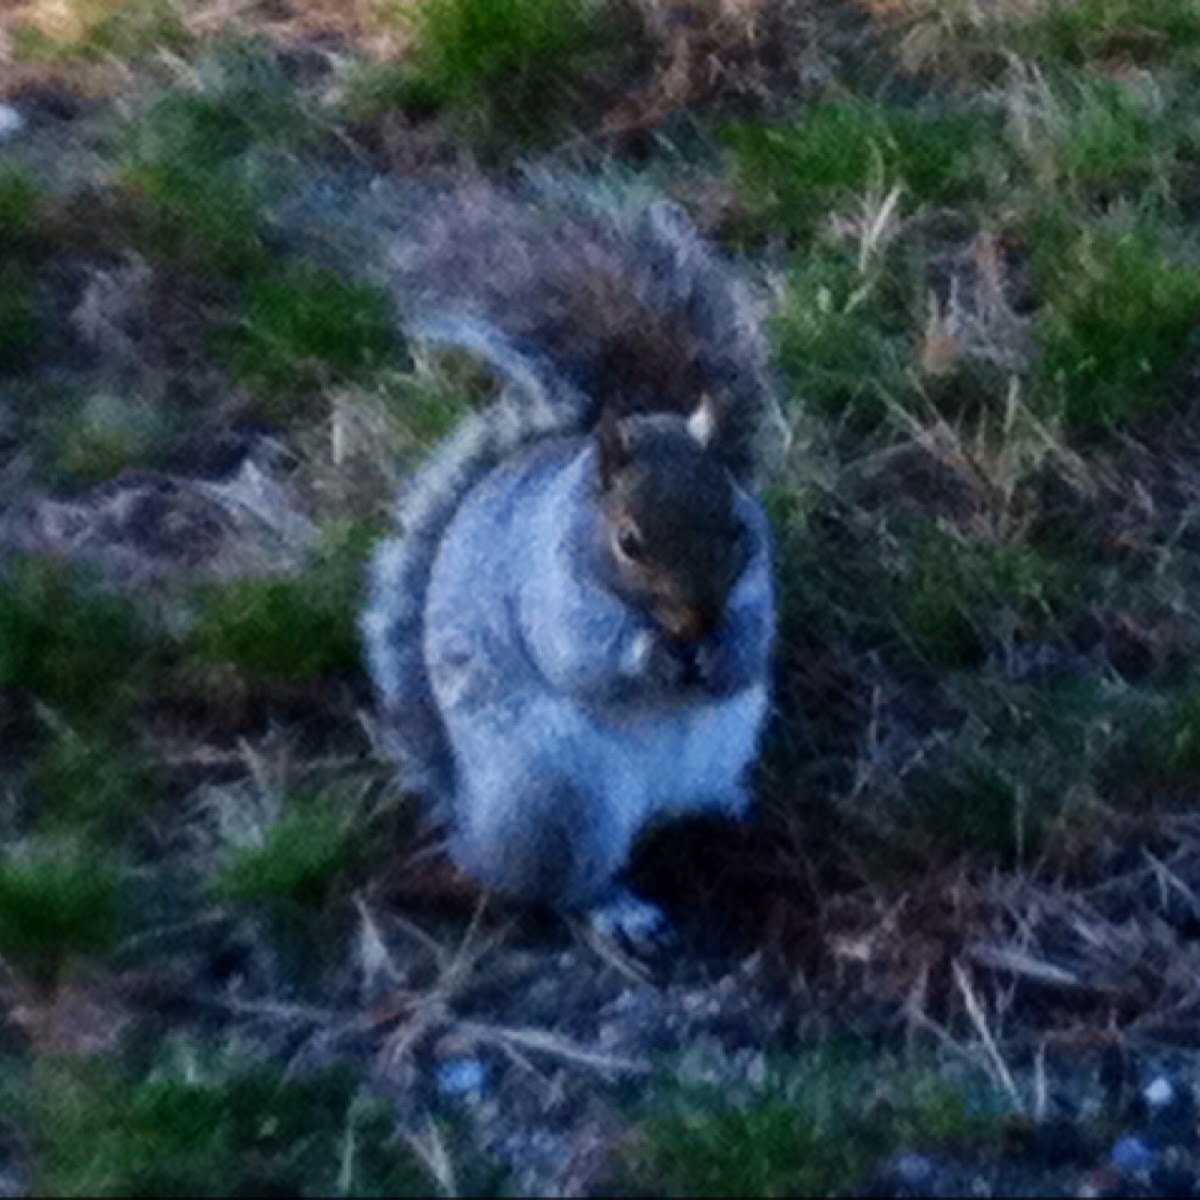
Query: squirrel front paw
pixel 673 665
pixel 639 654
pixel 716 668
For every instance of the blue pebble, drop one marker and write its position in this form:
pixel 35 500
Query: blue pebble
pixel 1132 1154
pixel 461 1077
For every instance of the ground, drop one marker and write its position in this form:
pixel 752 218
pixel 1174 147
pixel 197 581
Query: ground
pixel 957 949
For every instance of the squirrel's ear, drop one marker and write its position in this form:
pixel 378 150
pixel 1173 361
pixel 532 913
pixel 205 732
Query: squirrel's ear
pixel 614 447
pixel 705 420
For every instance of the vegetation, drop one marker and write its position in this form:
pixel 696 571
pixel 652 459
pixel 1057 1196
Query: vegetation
pixel 56 903
pixel 977 224
pixel 814 1128
pixel 229 1130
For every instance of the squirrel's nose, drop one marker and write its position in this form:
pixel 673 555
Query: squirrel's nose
pixel 692 625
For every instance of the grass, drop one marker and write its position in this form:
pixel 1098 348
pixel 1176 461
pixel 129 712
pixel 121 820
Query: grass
pixel 103 434
pixel 90 783
pixel 67 643
pixel 18 316
pixel 507 69
pixel 19 201
pixel 969 41
pixel 815 1128
pixel 304 329
pixel 19 207
pixel 57 903
pixel 1119 310
pixel 1149 32
pixel 984 311
pixel 227 1131
pixel 791 175
pixel 1094 132
pixel 206 159
pixel 845 337
pixel 299 861
pixel 1004 788
pixel 289 630
pixel 961 598
pixel 96 29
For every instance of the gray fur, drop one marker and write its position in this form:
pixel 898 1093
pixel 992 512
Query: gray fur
pixel 531 706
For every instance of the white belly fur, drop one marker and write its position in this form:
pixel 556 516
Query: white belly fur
pixel 664 765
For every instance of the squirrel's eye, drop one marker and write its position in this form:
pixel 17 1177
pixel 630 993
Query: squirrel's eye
pixel 630 543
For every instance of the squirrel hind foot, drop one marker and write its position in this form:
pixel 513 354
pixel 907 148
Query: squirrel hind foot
pixel 631 923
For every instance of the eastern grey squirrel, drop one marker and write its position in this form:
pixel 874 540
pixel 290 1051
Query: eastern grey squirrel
pixel 570 633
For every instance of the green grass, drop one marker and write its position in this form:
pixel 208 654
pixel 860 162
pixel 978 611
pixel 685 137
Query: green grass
pixel 1145 31
pixel 1162 743
pixel 66 643
pixel 791 176
pixel 205 160
pixel 100 436
pixel 18 315
pixel 374 89
pixel 959 598
pixel 289 630
pixel 845 337
pixel 1024 770
pixel 300 860
pixel 90 783
pixel 816 1128
pixel 1103 135
pixel 304 328
pixel 238 1131
pixel 1119 306
pixel 57 904
pixel 19 203
pixel 19 206
pixel 508 70
pixel 428 407
pixel 981 40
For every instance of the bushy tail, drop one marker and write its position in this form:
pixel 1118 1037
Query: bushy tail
pixel 618 292
pixel 532 404
pixel 575 303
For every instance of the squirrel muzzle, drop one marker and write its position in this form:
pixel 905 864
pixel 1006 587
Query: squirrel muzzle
pixel 690 624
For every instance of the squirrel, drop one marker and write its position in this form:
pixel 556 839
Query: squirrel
pixel 570 634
